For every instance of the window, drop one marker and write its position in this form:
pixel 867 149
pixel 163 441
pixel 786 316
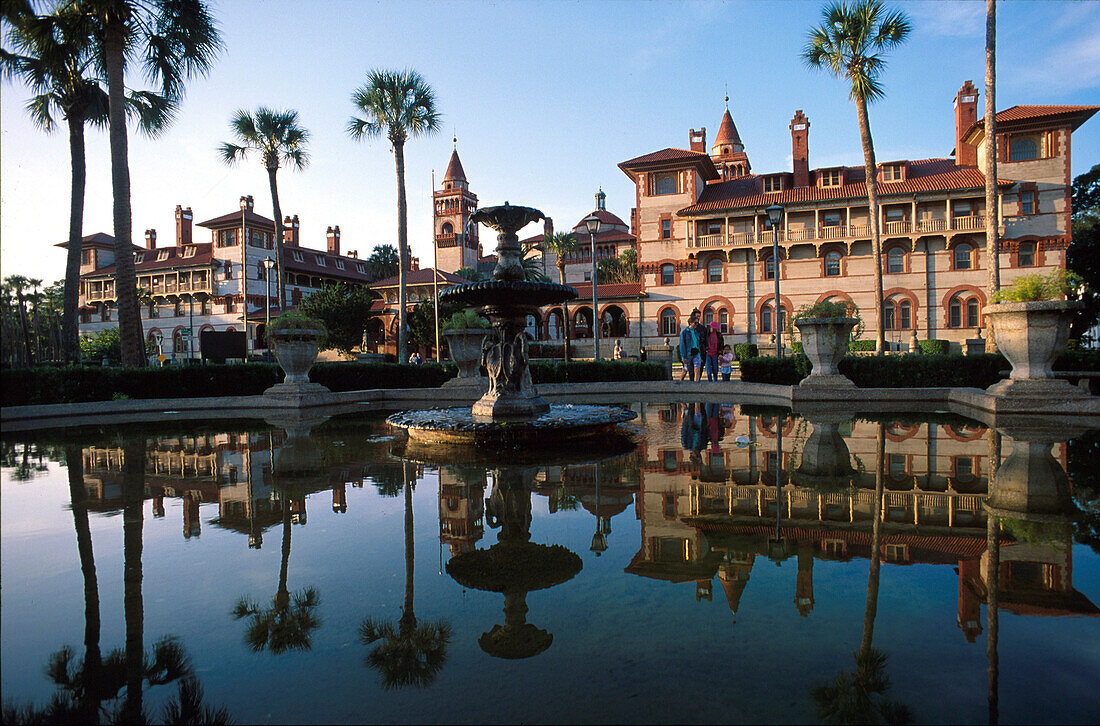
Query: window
pixel 320 260
pixel 177 308
pixel 897 465
pixel 831 219
pixel 339 264
pixel 830 178
pixel 954 313
pixel 895 260
pixel 964 466
pixel 204 306
pixel 906 314
pixel 86 257
pixel 227 238
pixel 724 321
pixel 895 214
pixel 666 184
pixel 972 313
pixel 668 274
pixel 962 209
pixel 773 183
pixel 228 270
pixel 447 228
pixel 261 272
pixel 714 271
pixel 666 228
pixel 588 276
pixel 892 172
pixel 962 256
pixel 360 268
pixel 708 316
pixel 1023 149
pixel 1027 203
pixel 769 268
pixel 669 323
pixel 139 258
pixel 1025 254
pixel 888 315
pixel 297 256
pixel 766 319
pixel 714 227
pixel 189 251
pixel 162 255
pixel 154 310
pixel 832 264
pixel 230 305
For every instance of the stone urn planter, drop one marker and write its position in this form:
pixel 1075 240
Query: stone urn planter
pixel 296 351
pixel 1032 335
pixel 465 345
pixel 825 342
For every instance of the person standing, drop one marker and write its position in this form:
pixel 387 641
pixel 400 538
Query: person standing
pixel 713 349
pixel 725 363
pixel 689 346
pixel 700 347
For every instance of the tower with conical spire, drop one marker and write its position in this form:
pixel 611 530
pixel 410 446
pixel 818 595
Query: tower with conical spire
pixel 728 152
pixel 455 238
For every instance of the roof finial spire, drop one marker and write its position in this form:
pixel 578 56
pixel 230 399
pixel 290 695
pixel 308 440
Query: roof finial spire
pixel 454 139
pixel 727 97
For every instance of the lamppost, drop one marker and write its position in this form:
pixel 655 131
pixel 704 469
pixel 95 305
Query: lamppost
pixel 599 539
pixel 775 217
pixel 190 327
pixel 593 224
pixel 268 264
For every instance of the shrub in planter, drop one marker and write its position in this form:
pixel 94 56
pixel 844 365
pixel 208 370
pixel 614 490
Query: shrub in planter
pixel 934 347
pixel 861 346
pixel 826 328
pixel 465 332
pixel 295 337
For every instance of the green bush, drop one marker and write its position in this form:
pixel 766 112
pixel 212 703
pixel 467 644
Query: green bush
pixel 1080 359
pixel 861 346
pixel 797 348
pixel 745 350
pixel 546 350
pixel 592 371
pixel 887 371
pixel 934 347
pixel 105 344
pixel 769 369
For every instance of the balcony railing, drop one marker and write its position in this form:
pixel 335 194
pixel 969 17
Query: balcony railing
pixel 839 231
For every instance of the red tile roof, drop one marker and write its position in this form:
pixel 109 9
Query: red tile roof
pixel 664 157
pixel 604 216
pixel 96 239
pixel 620 289
pixel 309 264
pixel 234 218
pixel 1021 114
pixel 423 277
pixel 925 175
pixel 203 257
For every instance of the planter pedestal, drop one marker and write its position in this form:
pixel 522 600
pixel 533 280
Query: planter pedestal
pixel 1032 335
pixel 465 346
pixel 825 342
pixel 296 350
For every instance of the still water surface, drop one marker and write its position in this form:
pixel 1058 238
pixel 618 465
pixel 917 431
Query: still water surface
pixel 307 575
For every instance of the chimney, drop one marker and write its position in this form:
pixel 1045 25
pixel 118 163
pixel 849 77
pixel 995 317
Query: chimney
pixel 290 231
pixel 966 115
pixel 800 148
pixel 183 226
pixel 414 264
pixel 333 234
pixel 353 254
pixel 150 239
pixel 699 140
pixel 246 203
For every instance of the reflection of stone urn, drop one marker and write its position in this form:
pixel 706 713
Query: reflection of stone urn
pixel 825 342
pixel 826 462
pixel 465 346
pixel 1032 335
pixel 1030 483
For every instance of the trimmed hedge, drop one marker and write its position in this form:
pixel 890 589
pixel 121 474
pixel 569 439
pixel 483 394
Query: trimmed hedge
pixel 857 346
pixel 745 350
pixel 769 369
pixel 934 347
pixel 592 371
pixel 886 371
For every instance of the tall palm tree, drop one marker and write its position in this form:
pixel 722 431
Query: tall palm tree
pixel 411 654
pixel 562 244
pixel 174 40
pixel 400 105
pixel 133 496
pixel 992 243
pixel 850 43
pixel 278 138
pixel 18 286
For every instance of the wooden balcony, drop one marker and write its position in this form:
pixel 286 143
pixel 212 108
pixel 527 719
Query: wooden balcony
pixel 838 232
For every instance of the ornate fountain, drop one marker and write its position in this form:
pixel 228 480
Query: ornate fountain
pixel 511 411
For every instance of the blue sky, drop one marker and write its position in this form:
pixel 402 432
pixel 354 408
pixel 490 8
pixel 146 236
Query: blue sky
pixel 545 98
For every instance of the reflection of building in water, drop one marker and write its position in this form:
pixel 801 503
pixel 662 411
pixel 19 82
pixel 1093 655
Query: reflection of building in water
pixel 604 490
pixel 233 470
pixel 708 506
pixel 461 508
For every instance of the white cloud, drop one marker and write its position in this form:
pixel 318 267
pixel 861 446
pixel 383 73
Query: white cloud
pixel 948 18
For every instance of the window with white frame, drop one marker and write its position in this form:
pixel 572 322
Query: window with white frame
pixel 669 323
pixel 832 264
pixel 830 178
pixel 714 270
pixel 773 183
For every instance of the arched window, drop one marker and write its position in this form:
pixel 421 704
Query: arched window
pixel 1023 149
pixel 179 346
pixel 724 320
pixel 766 319
pixel 668 274
pixel 708 315
pixel 895 260
pixel 447 228
pixel 888 314
pixel 582 323
pixel 532 327
pixel 555 330
pixel 832 264
pixel 963 254
pixel 954 313
pixel 905 315
pixel 1025 254
pixel 669 324
pixel 972 313
pixel 714 271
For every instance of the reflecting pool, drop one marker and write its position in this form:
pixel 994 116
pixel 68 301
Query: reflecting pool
pixel 725 563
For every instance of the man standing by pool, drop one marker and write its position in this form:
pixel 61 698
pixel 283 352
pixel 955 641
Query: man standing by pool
pixel 689 346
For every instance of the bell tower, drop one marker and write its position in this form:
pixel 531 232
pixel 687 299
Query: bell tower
pixel 728 152
pixel 456 239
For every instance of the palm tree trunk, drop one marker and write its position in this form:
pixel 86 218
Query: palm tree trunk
pixel 564 306
pixel 402 252
pixel 133 492
pixel 278 238
pixel 993 576
pixel 129 316
pixel 408 617
pixel 876 546
pixel 872 208
pixel 992 243
pixel 282 595
pixel 29 360
pixel 79 496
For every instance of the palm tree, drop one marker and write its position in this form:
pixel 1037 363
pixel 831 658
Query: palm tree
pixel 18 286
pixel 278 138
pixel 174 40
pixel 562 244
pixel 992 243
pixel 412 653
pixel 399 104
pixel 133 495
pixel 850 43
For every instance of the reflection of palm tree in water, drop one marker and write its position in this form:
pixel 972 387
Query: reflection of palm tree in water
pixel 85 685
pixel 412 653
pixel 848 698
pixel 289 623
